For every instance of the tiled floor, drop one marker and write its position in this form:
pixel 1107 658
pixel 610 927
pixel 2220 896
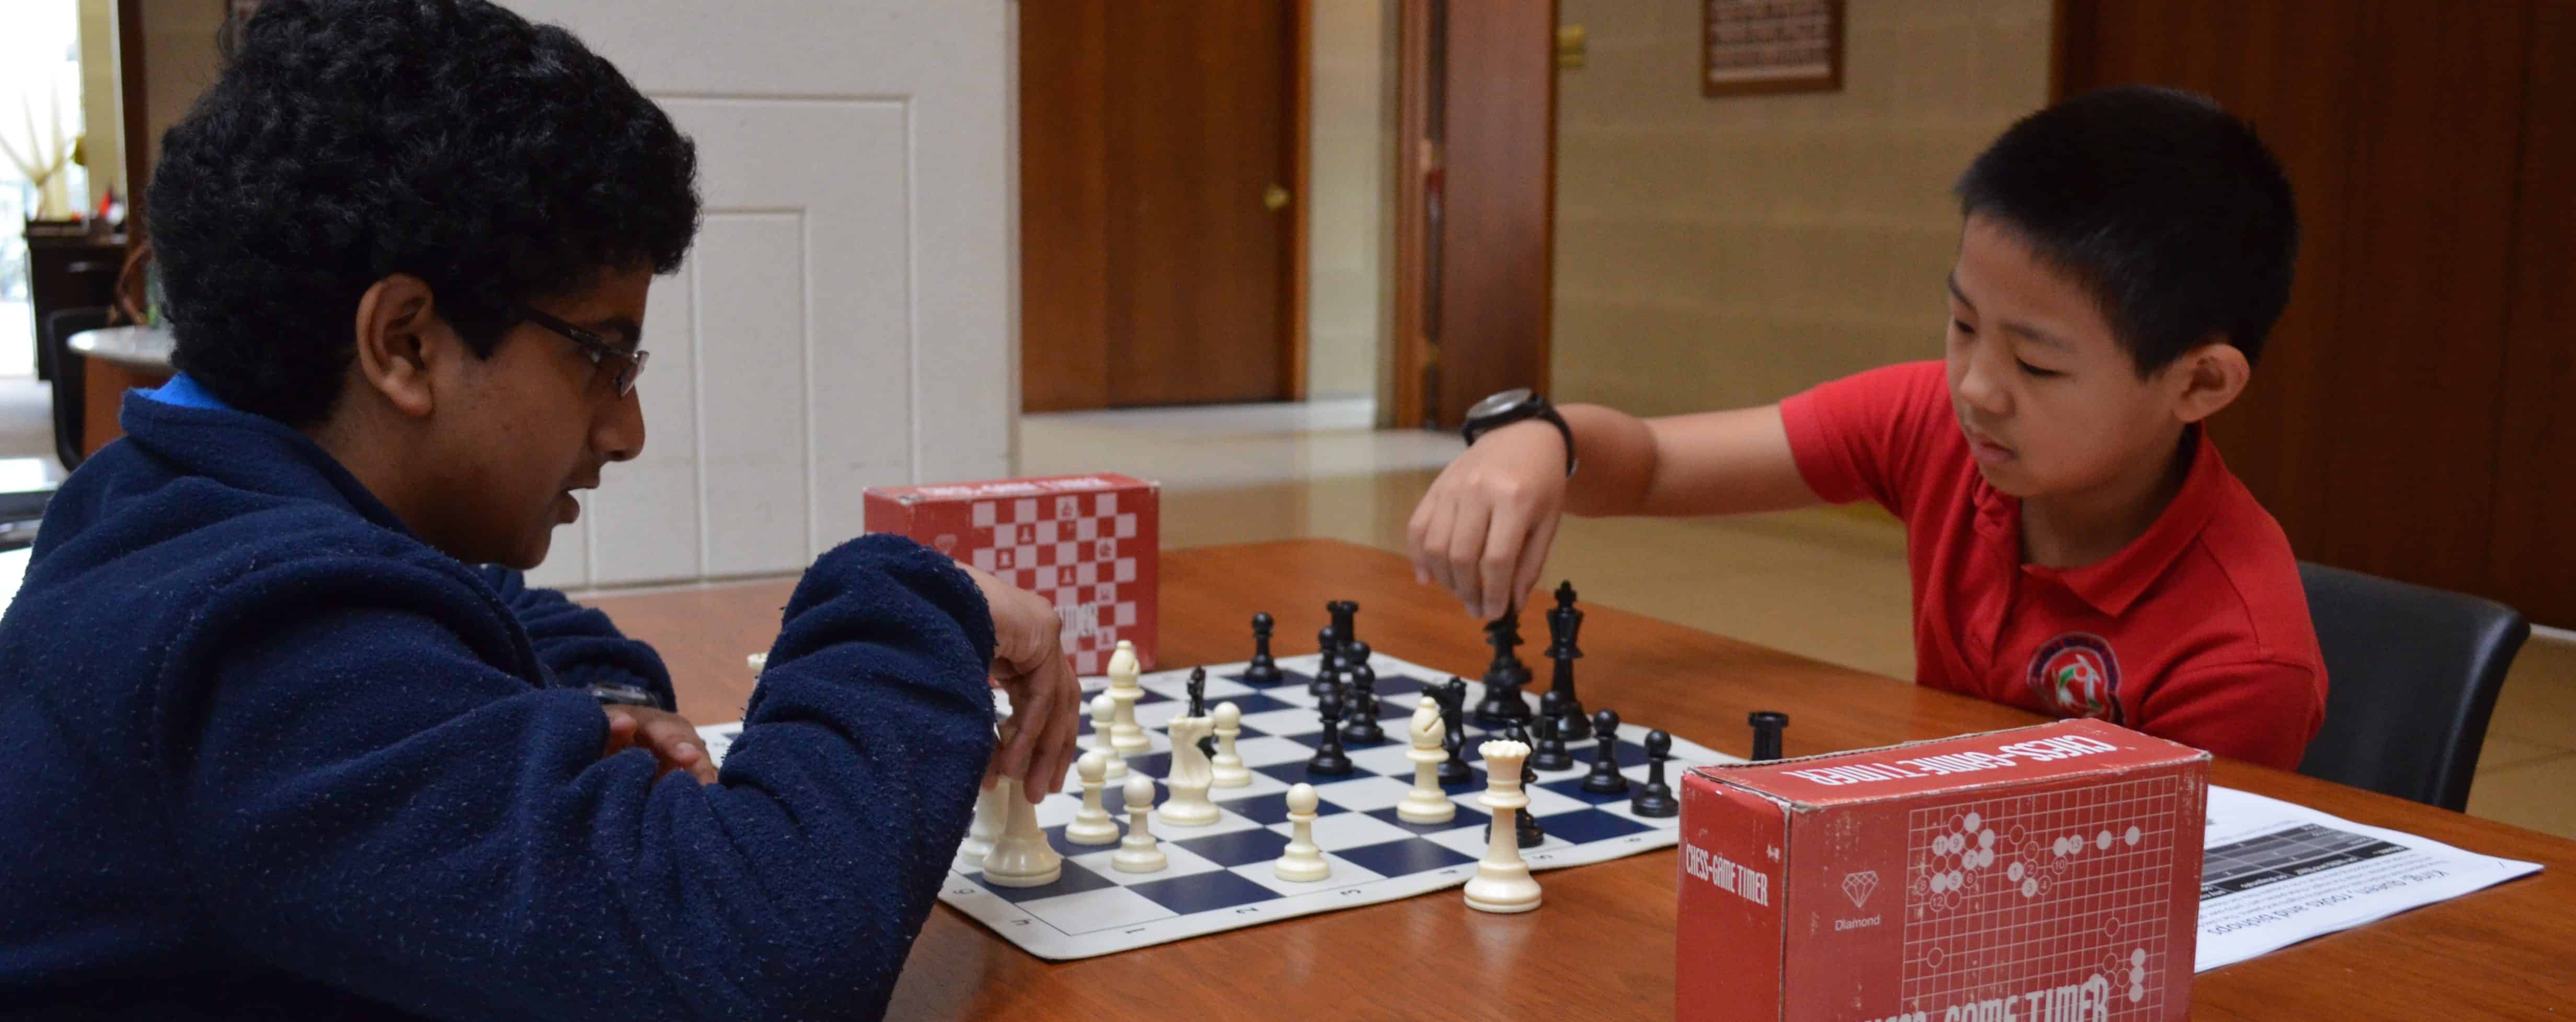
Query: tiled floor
pixel 1828 583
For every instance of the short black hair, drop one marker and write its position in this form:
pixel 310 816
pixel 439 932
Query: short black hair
pixel 347 140
pixel 2167 207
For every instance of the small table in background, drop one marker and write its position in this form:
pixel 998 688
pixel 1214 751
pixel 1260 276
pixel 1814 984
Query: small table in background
pixel 120 358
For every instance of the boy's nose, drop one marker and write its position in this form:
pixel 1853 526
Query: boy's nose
pixel 619 433
pixel 1978 389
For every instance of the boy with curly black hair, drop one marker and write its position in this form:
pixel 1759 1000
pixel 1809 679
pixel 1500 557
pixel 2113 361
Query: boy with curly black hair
pixel 280 748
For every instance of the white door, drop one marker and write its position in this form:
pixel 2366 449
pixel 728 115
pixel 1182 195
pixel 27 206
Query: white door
pixel 847 317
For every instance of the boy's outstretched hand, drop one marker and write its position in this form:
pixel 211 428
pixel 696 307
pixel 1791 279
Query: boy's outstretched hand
pixel 1483 530
pixel 671 739
pixel 1029 663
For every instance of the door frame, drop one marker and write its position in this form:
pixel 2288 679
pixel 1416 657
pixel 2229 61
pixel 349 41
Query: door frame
pixel 1408 344
pixel 1419 160
pixel 1301 129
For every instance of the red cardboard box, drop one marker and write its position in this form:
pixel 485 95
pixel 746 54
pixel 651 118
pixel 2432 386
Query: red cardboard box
pixel 1090 543
pixel 2041 874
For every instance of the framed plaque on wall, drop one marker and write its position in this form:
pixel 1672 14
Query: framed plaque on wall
pixel 1760 46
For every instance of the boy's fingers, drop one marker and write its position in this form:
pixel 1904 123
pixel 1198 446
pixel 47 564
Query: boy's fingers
pixel 1016 743
pixel 1051 721
pixel 1534 556
pixel 1435 540
pixel 621 734
pixel 695 760
pixel 1466 549
pixel 1417 532
pixel 1049 775
pixel 1500 565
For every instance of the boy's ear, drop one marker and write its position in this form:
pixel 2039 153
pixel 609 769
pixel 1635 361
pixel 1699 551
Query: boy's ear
pixel 2208 378
pixel 400 338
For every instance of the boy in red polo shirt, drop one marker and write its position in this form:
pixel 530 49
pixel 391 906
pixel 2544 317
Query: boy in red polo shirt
pixel 2078 548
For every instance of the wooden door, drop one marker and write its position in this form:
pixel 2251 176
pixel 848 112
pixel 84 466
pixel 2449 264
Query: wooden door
pixel 2388 426
pixel 843 320
pixel 1475 203
pixel 1157 259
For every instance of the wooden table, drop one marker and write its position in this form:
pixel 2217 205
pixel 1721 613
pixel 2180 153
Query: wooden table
pixel 1602 946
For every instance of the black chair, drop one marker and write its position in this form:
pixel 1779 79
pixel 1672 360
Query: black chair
pixel 2411 678
pixel 70 375
pixel 20 516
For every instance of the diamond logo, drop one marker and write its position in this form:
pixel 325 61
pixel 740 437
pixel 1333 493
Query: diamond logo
pixel 1859 886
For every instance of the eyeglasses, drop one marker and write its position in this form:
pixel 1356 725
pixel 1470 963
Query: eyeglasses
pixel 595 347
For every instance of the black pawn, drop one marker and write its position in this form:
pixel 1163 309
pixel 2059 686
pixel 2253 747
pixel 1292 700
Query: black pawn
pixel 1328 675
pixel 1345 616
pixel 1198 708
pixel 1263 670
pixel 1529 772
pixel 1453 717
pixel 1526 831
pixel 1655 799
pixel 1605 778
pixel 1328 759
pixel 1767 726
pixel 1362 681
pixel 1551 753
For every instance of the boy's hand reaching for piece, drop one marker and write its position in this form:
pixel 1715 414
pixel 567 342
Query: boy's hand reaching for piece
pixel 1029 663
pixel 671 739
pixel 1483 530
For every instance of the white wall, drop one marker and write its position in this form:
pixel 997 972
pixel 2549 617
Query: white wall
pixel 1351 175
pixel 848 316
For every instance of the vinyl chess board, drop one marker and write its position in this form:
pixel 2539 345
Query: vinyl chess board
pixel 1220 878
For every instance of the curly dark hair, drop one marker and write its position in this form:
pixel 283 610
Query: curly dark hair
pixel 497 160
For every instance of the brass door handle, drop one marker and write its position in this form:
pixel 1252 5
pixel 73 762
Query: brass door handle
pixel 1275 199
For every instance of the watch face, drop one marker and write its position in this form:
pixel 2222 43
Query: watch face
pixel 1498 403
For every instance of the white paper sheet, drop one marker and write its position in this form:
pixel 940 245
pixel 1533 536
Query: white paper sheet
pixel 2277 874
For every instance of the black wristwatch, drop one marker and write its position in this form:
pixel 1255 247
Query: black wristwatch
pixel 1513 406
pixel 612 694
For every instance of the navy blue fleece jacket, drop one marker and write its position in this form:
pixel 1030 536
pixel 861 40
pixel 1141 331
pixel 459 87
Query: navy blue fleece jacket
pixel 269 755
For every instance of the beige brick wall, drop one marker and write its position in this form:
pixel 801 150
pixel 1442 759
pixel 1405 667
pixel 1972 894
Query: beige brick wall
pixel 1726 251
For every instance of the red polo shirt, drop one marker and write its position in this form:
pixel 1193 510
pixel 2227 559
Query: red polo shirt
pixel 2197 631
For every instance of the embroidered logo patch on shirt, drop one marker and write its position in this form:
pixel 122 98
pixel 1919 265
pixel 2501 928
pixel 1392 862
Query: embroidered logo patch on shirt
pixel 2075 675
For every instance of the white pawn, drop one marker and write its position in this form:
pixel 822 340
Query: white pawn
pixel 1021 856
pixel 1104 718
pixel 1426 803
pixel 1092 825
pixel 1303 861
pixel 1125 735
pixel 1503 882
pixel 990 815
pixel 1188 805
pixel 1228 770
pixel 1138 853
